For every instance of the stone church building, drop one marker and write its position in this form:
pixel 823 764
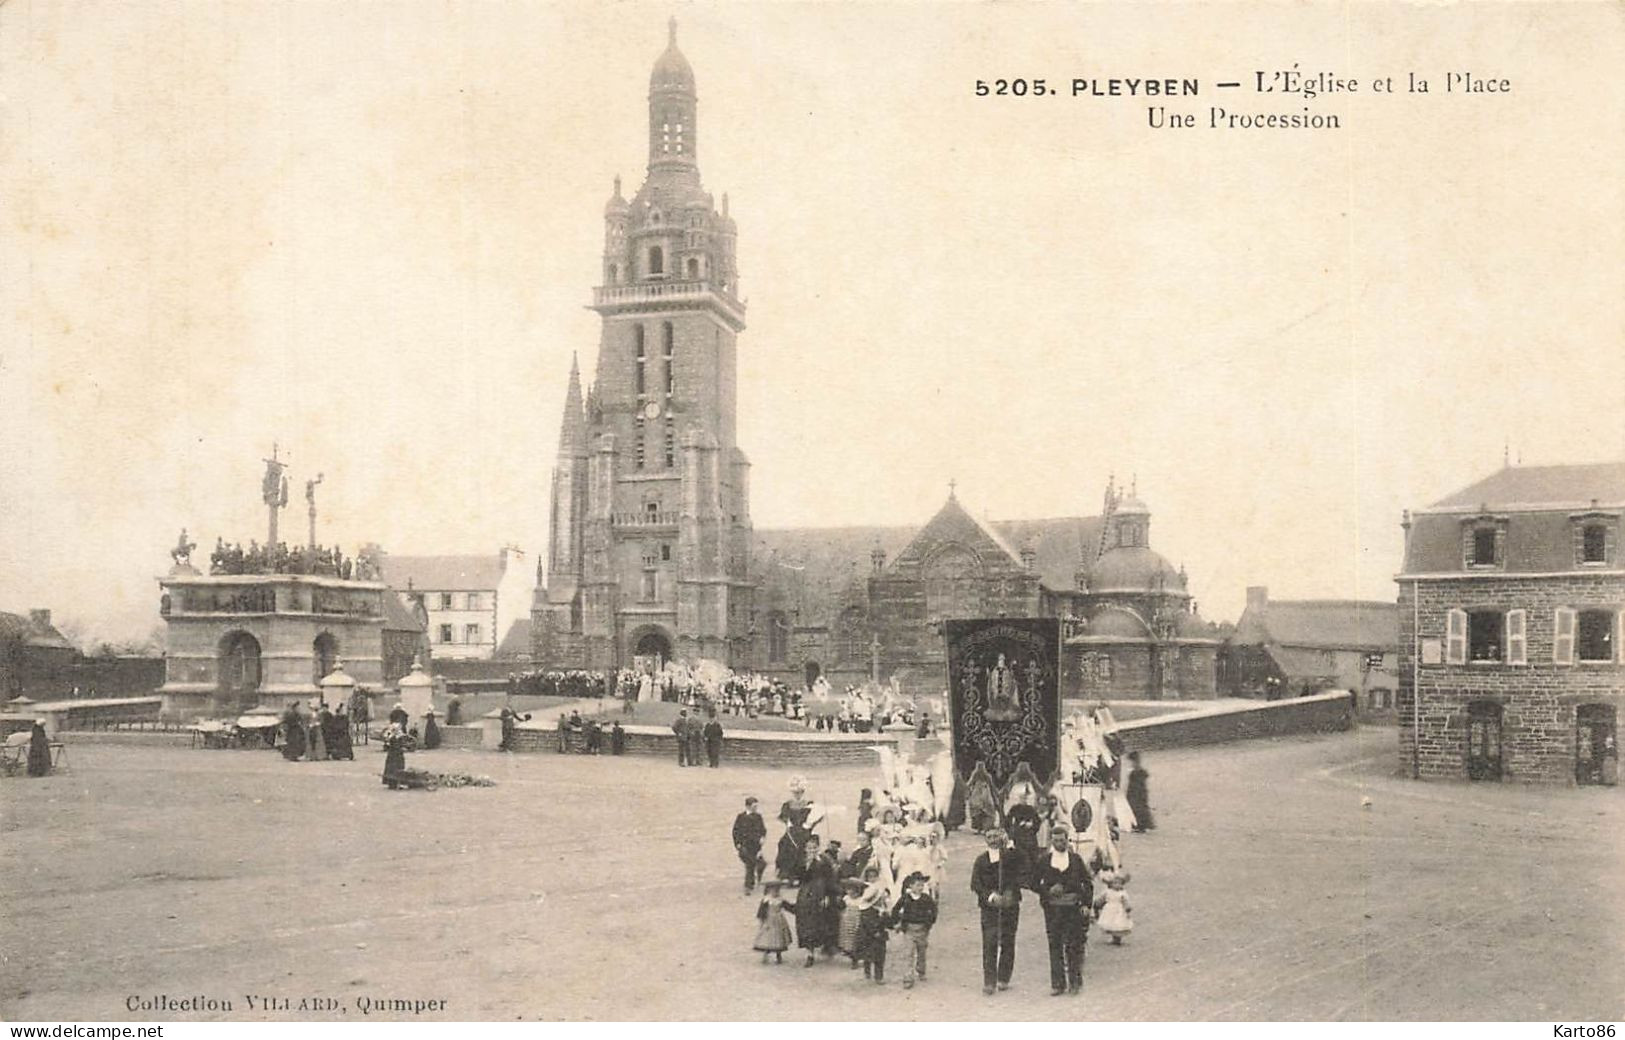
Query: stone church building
pixel 652 554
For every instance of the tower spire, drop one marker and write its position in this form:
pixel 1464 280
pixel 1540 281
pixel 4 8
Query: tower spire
pixel 671 31
pixel 572 430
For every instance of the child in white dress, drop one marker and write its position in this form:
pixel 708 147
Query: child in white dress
pixel 1112 907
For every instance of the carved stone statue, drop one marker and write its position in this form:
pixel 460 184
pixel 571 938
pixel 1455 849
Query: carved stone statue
pixel 181 554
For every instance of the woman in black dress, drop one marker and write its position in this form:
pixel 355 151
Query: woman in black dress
pixel 394 755
pixel 39 750
pixel 1139 794
pixel 293 734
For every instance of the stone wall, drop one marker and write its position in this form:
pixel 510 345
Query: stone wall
pixel 1537 700
pixel 753 747
pixel 1215 724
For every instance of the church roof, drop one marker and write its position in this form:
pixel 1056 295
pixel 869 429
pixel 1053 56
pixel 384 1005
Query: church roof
pixel 829 559
pixel 1135 567
pixel 442 573
pixel 672 71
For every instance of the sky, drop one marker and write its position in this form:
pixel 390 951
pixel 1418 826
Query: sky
pixel 368 232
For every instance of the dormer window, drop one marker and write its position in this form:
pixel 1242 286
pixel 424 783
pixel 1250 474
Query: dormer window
pixel 1594 544
pixel 1483 541
pixel 1596 538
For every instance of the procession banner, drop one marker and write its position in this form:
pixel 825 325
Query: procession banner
pixel 1004 700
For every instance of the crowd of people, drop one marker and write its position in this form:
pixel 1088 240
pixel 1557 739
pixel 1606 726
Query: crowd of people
pixel 1060 845
pixel 708 687
pixel 317 734
pixel 280 559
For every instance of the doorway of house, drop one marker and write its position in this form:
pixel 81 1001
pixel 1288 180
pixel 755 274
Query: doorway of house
pixel 1484 741
pixel 1596 745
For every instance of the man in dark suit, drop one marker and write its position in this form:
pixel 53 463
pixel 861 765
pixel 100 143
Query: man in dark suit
pixel 1066 893
pixel 713 742
pixel 680 728
pixel 997 879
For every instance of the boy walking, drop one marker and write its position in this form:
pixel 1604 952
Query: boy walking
pixel 749 831
pixel 915 914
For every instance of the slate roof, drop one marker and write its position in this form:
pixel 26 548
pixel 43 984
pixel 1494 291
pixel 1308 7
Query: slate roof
pixel 1322 624
pixel 516 643
pixel 834 560
pixel 398 614
pixel 24 628
pixel 1556 486
pixel 443 573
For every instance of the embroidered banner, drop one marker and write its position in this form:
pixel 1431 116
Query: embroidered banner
pixel 1004 700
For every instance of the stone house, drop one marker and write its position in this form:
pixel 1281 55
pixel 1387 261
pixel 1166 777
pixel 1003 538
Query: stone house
pixel 1511 623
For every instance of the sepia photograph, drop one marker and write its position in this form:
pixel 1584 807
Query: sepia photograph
pixel 571 512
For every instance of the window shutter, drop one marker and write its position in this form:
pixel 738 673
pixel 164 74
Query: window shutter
pixel 1455 651
pixel 1517 637
pixel 1563 637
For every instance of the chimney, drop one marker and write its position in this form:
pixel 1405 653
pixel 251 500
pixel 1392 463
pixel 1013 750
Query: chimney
pixel 1029 558
pixel 40 618
pixel 1258 597
pixel 877 557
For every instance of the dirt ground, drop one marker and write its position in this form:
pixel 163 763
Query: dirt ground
pixel 603 888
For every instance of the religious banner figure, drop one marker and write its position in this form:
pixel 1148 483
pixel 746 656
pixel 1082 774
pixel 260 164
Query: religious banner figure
pixel 1004 699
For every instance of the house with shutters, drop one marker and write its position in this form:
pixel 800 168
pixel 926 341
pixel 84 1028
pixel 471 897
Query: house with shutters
pixel 1511 627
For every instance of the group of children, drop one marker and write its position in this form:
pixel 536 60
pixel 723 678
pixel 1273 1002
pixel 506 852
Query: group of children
pixel 866 919
pixel 867 907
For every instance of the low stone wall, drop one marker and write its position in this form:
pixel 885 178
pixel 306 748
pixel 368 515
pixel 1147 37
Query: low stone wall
pixel 61 716
pixel 757 747
pixel 1216 724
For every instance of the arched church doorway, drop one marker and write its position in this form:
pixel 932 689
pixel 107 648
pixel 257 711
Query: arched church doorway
pixel 325 650
pixel 651 649
pixel 239 668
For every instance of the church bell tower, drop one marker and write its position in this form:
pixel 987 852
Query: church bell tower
pixel 651 539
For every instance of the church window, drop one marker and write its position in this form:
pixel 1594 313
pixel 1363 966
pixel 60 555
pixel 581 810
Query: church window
pixel 693 267
pixel 669 335
pixel 651 509
pixel 614 274
pixel 657 260
pixel 665 551
pixel 650 586
pixel 638 353
pixel 778 637
pixel 671 443
pixel 953 584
